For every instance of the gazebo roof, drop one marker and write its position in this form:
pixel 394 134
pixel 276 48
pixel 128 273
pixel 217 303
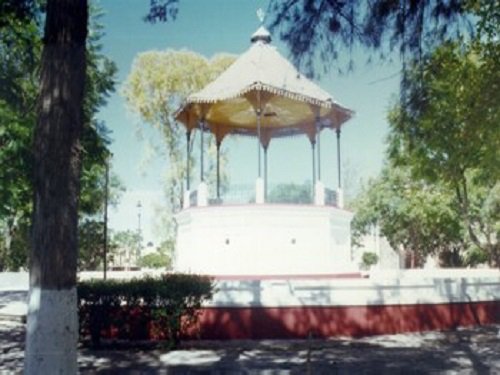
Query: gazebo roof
pixel 261 78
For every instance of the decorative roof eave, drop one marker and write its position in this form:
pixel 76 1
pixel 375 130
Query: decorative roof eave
pixel 259 86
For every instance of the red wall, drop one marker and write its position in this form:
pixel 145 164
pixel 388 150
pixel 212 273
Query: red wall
pixel 328 321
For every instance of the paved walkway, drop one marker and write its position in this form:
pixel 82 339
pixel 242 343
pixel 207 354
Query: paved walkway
pixel 465 351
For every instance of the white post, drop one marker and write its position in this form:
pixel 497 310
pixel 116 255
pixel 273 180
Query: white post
pixel 259 191
pixel 340 198
pixel 319 194
pixel 187 199
pixel 202 194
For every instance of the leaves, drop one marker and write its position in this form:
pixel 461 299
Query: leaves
pixel 411 214
pixel 157 84
pixel 20 54
pixel 445 135
pixel 326 29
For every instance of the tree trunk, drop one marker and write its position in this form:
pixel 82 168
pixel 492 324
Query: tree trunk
pixel 52 330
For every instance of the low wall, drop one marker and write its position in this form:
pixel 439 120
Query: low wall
pixel 392 303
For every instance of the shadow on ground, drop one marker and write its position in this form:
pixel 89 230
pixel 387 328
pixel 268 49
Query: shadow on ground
pixel 470 350
pixel 9 296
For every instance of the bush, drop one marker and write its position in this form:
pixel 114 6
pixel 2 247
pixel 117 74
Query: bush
pixel 369 259
pixel 476 256
pixel 155 260
pixel 149 308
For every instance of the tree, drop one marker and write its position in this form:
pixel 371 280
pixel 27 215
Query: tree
pixel 416 217
pixel 325 28
pixel 56 181
pixel 156 259
pixel 20 54
pixel 57 163
pixel 369 259
pixel 154 89
pixel 91 224
pixel 128 246
pixel 447 131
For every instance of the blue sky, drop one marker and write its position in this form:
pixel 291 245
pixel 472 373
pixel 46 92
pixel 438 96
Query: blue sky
pixel 210 27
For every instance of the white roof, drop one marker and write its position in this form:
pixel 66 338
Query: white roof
pixel 262 67
pixel 290 102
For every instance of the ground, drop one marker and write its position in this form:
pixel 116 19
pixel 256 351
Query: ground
pixel 472 350
pixel 468 351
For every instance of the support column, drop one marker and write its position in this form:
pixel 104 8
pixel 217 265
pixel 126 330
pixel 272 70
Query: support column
pixel 259 184
pixel 218 171
pixel 265 172
pixel 188 156
pixel 106 197
pixel 313 184
pixel 318 136
pixel 202 198
pixel 202 125
pixel 319 188
pixel 187 194
pixel 340 194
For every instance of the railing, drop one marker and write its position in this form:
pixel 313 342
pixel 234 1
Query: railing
pixel 241 194
pixel 331 197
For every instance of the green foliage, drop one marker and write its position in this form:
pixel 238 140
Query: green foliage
pixel 444 136
pixel 154 89
pixel 369 259
pixel 328 30
pixel 448 125
pixel 155 260
pixel 168 303
pixel 413 215
pixel 20 55
pixel 475 256
pixel 127 244
pixel 20 48
pixel 290 193
pixel 91 245
pixel 446 132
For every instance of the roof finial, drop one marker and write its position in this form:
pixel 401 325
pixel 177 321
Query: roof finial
pixel 261 34
pixel 261 15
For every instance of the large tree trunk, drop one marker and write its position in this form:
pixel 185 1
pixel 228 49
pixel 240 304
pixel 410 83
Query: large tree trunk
pixel 52 330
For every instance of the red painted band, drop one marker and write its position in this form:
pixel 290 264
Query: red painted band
pixel 222 323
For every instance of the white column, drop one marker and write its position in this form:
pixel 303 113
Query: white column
pixel 187 199
pixel 340 198
pixel 259 190
pixel 202 194
pixel 319 194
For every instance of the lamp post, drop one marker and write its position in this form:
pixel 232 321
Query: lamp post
pixel 105 232
pixel 139 233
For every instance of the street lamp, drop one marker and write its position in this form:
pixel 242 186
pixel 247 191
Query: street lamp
pixel 139 233
pixel 106 197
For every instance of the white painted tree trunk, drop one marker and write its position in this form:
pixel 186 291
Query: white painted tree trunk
pixel 52 332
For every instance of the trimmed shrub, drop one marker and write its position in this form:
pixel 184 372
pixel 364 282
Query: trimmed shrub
pixel 148 308
pixel 369 259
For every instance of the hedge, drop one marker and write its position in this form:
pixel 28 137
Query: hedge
pixel 160 308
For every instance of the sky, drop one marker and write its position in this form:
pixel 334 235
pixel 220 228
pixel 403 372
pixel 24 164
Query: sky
pixel 208 28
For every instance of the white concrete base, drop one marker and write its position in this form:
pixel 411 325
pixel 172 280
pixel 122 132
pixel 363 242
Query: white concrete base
pixel 259 191
pixel 264 240
pixel 319 194
pixel 202 195
pixel 187 199
pixel 340 198
pixel 52 332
